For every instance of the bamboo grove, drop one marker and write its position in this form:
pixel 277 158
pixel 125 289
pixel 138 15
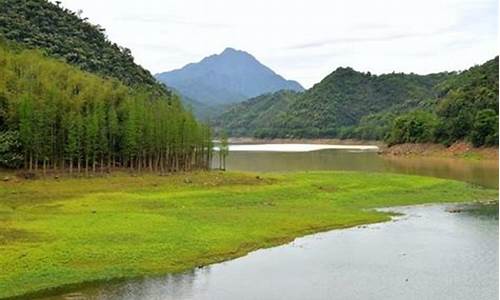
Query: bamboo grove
pixel 54 116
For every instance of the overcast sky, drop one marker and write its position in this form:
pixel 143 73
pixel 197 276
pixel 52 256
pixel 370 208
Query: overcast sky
pixel 304 40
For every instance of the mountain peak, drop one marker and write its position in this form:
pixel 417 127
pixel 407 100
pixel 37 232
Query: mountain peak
pixel 235 53
pixel 229 77
pixel 230 50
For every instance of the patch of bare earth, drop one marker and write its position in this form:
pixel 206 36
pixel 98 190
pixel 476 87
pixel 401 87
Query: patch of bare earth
pixel 457 150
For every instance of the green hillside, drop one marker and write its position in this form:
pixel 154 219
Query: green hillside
pixel 63 34
pixel 340 100
pixel 351 104
pixel 70 99
pixel 53 115
pixel 257 116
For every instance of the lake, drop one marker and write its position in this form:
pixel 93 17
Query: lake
pixel 427 253
pixel 301 157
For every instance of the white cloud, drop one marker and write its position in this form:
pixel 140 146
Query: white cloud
pixel 304 39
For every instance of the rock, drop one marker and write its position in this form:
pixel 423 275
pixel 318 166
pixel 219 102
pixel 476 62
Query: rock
pixel 258 178
pixel 454 210
pixel 6 178
pixel 187 181
pixel 56 177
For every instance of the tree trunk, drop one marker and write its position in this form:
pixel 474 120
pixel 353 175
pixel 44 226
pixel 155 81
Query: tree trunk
pixel 86 166
pixel 31 162
pixel 44 166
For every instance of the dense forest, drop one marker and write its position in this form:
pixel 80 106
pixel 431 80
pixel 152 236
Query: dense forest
pixel 64 34
pixel 397 108
pixel 53 115
pixel 331 107
pixel 255 116
pixel 71 99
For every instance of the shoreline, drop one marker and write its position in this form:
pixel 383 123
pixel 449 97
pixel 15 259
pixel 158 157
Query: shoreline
pixel 256 141
pixel 164 210
pixel 458 150
pixel 209 260
pixel 394 214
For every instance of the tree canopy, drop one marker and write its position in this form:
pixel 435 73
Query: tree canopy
pixel 351 104
pixel 55 115
pixel 64 34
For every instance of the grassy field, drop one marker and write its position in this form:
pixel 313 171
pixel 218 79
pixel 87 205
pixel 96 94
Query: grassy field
pixel 65 232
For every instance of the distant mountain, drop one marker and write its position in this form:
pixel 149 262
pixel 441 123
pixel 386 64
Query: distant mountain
pixel 230 77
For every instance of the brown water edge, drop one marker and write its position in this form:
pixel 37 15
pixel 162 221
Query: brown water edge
pixel 459 150
pixel 481 172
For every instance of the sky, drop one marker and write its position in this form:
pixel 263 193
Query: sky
pixel 303 40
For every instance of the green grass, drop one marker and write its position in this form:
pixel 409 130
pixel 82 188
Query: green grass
pixel 60 233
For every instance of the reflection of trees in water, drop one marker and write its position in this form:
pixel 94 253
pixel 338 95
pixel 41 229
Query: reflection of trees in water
pixel 174 286
pixel 481 172
pixel 298 161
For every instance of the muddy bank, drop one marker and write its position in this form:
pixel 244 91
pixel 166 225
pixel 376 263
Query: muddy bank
pixel 457 150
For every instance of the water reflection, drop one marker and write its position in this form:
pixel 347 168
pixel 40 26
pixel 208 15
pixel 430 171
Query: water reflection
pixel 479 172
pixel 174 286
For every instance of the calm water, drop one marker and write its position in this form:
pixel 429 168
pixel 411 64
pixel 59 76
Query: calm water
pixel 479 172
pixel 426 254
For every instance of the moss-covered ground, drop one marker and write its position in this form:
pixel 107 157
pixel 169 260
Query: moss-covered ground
pixel 64 232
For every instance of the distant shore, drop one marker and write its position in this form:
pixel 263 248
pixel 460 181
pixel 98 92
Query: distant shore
pixel 250 140
pixel 459 150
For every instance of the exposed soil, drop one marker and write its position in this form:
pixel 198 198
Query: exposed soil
pixel 457 150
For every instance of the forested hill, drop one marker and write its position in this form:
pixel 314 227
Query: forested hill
pixel 257 116
pixel 62 33
pixel 398 108
pixel 339 100
pixel 70 100
pixel 53 115
pixel 345 96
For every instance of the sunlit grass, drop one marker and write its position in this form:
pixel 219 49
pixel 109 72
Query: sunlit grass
pixel 63 232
